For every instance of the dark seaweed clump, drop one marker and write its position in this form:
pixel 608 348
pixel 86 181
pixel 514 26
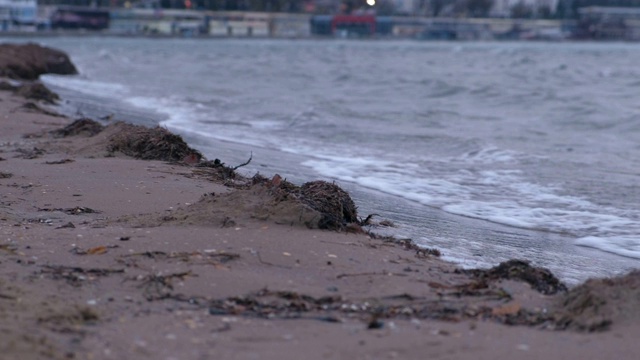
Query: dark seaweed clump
pixel 37 91
pixel 332 202
pixel 150 144
pixel 335 205
pixel 598 303
pixel 81 127
pixel 540 279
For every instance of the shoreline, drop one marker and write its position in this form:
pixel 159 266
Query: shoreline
pixel 107 256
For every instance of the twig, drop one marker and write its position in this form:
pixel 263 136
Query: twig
pixel 370 274
pixel 245 163
pixel 270 264
pixel 367 220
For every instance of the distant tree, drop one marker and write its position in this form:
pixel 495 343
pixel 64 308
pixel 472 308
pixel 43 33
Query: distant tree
pixel 568 9
pixel 544 12
pixel 385 7
pixel 478 8
pixel 564 9
pixel 437 6
pixel 521 11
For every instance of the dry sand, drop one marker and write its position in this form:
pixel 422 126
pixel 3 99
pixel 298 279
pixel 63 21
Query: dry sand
pixel 103 256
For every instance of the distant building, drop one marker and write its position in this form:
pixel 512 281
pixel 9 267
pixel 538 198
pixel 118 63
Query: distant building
pixel 79 17
pixel 405 7
pixel 503 8
pixel 609 23
pixel 18 14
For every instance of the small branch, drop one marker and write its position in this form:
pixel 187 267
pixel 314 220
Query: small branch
pixel 370 274
pixel 270 264
pixel 245 163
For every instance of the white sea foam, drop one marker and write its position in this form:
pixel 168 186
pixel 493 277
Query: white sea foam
pixel 87 86
pixel 628 246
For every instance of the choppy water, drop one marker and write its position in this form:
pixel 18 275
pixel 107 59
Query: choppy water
pixel 540 142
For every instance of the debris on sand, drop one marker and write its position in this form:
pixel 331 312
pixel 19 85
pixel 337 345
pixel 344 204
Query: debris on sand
pixel 70 320
pixel 37 91
pixel 29 61
pixel 75 275
pixel 335 206
pixel 150 143
pixel 598 303
pixel 78 210
pixel 540 279
pixel 33 107
pixel 30 153
pixel 331 201
pixel 6 86
pixel 81 127
pixel 316 204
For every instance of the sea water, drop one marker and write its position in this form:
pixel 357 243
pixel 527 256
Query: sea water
pixel 487 151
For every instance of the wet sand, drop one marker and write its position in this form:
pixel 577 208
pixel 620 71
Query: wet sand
pixel 104 256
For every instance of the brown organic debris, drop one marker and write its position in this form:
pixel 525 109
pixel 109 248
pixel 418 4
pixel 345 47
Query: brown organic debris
pixel 81 127
pixel 75 275
pixel 540 279
pixel 37 91
pixel 71 320
pixel 78 210
pixel 331 201
pixel 150 143
pixel 59 162
pixel 195 257
pixel 598 303
pixel 312 205
pixel 33 107
pixel 292 305
pixel 335 206
pixel 159 287
pixel 6 86
pixel 30 153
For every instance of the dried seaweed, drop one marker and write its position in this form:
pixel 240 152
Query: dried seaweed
pixel 81 127
pixel 150 144
pixel 158 287
pixel 75 275
pixel 190 257
pixel 598 303
pixel 30 153
pixel 540 279
pixel 37 91
pixel 59 162
pixel 71 320
pixel 292 305
pixel 78 210
pixel 33 107
pixel 334 204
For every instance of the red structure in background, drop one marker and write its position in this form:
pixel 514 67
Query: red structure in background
pixel 364 24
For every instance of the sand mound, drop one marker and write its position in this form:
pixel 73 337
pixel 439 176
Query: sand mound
pixel 81 127
pixel 37 91
pixel 540 279
pixel 28 62
pixel 598 303
pixel 149 143
pixel 273 200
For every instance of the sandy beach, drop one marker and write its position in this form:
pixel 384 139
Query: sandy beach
pixel 122 242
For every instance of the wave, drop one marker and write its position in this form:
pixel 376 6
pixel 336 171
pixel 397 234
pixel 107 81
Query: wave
pixel 87 86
